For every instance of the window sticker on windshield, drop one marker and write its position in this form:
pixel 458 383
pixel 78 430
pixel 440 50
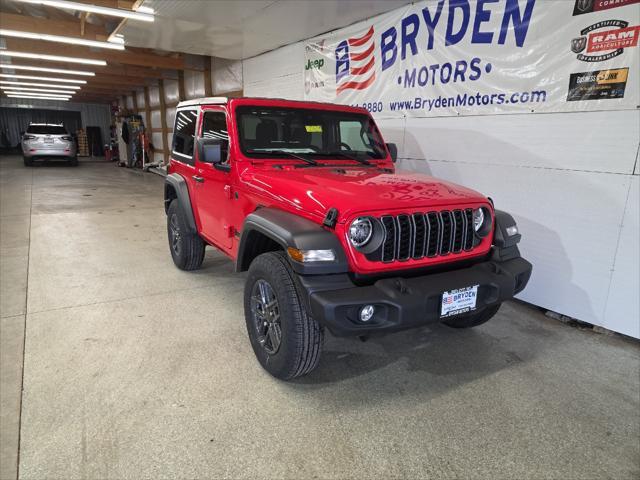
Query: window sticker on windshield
pixel 313 128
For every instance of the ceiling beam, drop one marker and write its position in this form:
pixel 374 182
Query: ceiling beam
pixel 111 80
pixel 102 88
pixel 129 56
pixel 111 69
pixel 24 23
pixel 122 4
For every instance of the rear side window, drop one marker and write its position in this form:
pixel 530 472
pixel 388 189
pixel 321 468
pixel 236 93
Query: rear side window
pixel 183 135
pixel 47 130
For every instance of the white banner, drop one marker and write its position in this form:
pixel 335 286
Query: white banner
pixel 466 57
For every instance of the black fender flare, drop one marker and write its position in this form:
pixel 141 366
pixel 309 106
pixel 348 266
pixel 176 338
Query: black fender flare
pixel 177 183
pixel 290 230
pixel 501 238
pixel 505 246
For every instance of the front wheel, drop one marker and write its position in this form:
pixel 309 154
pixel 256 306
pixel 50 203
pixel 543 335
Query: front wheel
pixel 284 337
pixel 473 320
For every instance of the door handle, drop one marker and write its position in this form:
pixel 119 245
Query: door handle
pixel 198 179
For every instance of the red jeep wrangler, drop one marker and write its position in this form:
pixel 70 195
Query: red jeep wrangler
pixel 305 197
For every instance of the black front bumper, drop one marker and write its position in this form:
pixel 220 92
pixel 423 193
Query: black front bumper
pixel 401 303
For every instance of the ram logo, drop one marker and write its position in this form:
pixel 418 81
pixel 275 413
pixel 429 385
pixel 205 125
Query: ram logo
pixel 578 44
pixel 584 5
pixel 355 63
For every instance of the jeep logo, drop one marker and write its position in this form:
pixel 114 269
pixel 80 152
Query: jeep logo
pixel 316 64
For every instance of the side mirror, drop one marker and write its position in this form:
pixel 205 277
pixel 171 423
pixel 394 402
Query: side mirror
pixel 212 150
pixel 393 151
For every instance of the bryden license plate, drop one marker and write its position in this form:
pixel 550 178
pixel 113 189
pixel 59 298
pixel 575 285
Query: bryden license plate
pixel 459 301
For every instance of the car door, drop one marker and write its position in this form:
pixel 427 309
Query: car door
pixel 213 188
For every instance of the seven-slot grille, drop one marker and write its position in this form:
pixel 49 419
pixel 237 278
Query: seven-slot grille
pixel 429 234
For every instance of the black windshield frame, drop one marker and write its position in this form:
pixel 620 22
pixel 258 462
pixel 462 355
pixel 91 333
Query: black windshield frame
pixel 319 134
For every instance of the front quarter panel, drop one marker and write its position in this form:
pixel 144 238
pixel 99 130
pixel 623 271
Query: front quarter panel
pixel 290 230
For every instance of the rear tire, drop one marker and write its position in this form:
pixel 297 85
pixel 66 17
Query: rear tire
pixel 74 162
pixel 187 249
pixel 28 162
pixel 473 320
pixel 285 339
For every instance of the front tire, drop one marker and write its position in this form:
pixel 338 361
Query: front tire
pixel 473 320
pixel 187 249
pixel 284 337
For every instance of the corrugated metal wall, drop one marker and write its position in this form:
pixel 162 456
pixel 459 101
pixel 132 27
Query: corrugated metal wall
pixel 92 114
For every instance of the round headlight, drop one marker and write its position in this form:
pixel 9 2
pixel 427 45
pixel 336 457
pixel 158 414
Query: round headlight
pixel 360 231
pixel 482 222
pixel 478 219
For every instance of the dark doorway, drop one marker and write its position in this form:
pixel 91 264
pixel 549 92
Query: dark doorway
pixel 94 138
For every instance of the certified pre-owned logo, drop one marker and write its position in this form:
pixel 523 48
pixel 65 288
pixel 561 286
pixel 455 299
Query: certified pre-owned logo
pixel 355 63
pixel 588 6
pixel 604 40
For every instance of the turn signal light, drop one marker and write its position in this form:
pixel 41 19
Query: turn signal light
pixel 311 255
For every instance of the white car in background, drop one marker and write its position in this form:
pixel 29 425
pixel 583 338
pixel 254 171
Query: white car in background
pixel 48 141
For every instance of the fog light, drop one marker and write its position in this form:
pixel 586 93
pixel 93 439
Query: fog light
pixel 512 230
pixel 366 313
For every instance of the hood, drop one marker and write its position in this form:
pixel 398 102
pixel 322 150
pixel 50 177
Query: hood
pixel 354 189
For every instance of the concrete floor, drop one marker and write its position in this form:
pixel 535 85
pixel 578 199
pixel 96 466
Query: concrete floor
pixel 134 369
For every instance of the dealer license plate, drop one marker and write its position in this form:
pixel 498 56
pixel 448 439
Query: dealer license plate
pixel 48 140
pixel 461 300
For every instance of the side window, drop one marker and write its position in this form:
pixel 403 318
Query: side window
pixel 214 125
pixel 183 135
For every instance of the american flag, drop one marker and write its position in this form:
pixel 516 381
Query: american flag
pixel 355 63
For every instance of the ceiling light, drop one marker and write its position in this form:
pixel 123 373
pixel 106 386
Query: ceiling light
pixel 52 58
pixel 34 94
pixel 142 15
pixel 60 39
pixel 39 98
pixel 45 85
pixel 48 79
pixel 49 70
pixel 43 90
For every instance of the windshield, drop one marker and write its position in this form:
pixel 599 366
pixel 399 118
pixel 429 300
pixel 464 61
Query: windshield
pixel 269 132
pixel 47 129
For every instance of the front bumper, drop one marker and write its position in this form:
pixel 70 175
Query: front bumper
pixel 402 303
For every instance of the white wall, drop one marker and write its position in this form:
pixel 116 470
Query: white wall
pixel 570 179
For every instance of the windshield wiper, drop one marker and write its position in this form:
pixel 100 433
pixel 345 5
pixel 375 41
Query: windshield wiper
pixel 350 157
pixel 310 161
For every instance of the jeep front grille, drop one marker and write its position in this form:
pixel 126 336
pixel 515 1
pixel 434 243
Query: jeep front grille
pixel 428 234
